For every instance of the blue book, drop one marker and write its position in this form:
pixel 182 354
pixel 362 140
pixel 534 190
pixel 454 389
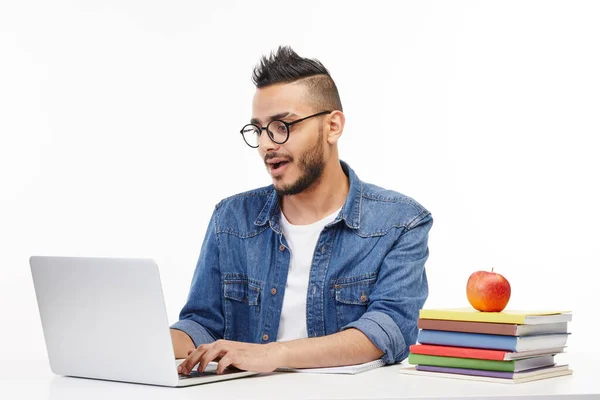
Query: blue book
pixel 495 342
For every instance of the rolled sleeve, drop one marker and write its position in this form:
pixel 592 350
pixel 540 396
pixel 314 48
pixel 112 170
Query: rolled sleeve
pixel 390 321
pixel 381 329
pixel 194 330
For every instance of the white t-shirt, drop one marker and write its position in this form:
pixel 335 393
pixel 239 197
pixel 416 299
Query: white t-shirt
pixel 302 240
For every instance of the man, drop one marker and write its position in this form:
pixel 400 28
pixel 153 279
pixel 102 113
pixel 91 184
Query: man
pixel 319 269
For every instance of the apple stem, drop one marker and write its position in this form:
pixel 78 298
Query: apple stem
pixel 492 269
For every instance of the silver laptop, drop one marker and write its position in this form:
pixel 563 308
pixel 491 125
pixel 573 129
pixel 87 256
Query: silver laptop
pixel 105 318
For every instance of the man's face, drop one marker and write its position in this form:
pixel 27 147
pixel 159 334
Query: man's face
pixel 298 163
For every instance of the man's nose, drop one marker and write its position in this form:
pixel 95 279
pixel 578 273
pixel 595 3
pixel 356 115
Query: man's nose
pixel 265 143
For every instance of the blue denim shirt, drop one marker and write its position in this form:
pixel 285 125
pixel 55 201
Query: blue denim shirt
pixel 368 270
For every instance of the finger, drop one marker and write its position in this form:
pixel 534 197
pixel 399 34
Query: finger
pixel 188 364
pixel 224 363
pixel 190 351
pixel 215 353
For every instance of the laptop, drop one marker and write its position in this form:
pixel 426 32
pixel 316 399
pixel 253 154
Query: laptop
pixel 105 318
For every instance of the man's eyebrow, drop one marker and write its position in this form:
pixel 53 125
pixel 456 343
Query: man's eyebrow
pixel 274 117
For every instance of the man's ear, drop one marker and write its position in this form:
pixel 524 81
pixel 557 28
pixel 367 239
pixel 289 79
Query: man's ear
pixel 336 126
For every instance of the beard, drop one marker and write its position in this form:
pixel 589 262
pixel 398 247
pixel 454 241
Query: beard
pixel 311 166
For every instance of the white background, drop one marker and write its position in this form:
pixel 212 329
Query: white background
pixel 119 127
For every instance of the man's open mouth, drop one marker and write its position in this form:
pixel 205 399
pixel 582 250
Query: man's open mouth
pixel 277 165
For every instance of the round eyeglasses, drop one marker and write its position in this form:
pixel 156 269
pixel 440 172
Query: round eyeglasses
pixel 278 131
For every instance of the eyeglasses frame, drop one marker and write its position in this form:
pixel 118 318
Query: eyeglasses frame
pixel 287 125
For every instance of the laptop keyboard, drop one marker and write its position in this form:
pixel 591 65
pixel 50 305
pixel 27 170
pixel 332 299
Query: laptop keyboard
pixel 196 374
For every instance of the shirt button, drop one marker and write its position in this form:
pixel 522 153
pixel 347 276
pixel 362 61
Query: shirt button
pixel 363 298
pixel 265 337
pixel 281 247
pixel 273 291
pixel 323 249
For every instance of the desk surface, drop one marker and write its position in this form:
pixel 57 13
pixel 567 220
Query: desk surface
pixel 29 380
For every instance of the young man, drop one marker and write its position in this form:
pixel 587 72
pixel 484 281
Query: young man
pixel 319 269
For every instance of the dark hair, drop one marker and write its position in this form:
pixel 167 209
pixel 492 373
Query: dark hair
pixel 285 66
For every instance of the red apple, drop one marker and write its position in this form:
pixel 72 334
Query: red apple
pixel 488 291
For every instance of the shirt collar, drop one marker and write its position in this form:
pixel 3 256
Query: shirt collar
pixel 350 212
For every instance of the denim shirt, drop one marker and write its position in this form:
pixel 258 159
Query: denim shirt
pixel 368 270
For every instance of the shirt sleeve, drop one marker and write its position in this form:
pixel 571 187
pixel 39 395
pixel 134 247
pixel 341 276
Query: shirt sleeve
pixel 202 315
pixel 400 291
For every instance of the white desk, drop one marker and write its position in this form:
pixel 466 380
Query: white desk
pixel 28 380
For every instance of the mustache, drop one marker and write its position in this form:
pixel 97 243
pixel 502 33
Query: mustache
pixel 277 155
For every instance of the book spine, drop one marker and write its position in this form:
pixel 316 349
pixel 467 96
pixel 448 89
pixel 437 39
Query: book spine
pixel 461 339
pixel 465 371
pixel 465 326
pixel 454 362
pixel 472 317
pixel 461 352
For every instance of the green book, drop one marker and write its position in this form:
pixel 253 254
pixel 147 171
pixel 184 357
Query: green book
pixel 489 365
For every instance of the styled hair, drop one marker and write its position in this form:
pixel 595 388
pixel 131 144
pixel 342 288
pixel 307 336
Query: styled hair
pixel 285 66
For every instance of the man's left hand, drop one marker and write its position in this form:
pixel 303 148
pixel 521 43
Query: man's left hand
pixel 244 356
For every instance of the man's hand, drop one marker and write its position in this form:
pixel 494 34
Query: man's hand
pixel 244 356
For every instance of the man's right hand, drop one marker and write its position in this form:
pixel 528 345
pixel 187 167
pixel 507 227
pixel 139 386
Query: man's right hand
pixel 182 343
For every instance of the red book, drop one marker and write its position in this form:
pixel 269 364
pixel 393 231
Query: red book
pixel 482 354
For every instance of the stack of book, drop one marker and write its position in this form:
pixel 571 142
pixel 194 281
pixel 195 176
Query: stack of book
pixel 508 347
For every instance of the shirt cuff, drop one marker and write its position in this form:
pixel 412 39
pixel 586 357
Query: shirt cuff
pixel 381 329
pixel 194 330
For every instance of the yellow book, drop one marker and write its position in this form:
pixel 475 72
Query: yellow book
pixel 505 317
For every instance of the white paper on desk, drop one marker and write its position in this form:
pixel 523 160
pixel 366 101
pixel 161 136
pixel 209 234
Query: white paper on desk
pixel 347 369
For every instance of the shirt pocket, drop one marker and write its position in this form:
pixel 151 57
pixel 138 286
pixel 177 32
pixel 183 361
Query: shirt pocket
pixel 241 305
pixel 352 297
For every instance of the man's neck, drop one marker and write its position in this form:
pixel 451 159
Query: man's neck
pixel 323 198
